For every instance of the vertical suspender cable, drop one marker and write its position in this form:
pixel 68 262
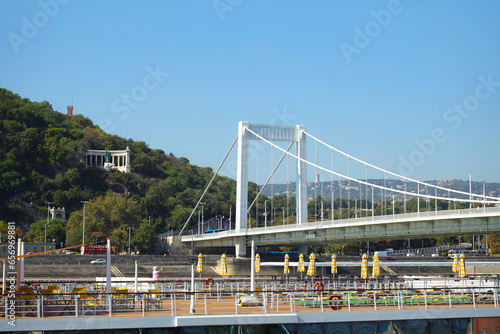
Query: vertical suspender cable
pixel 426 200
pixel 316 182
pixel 381 198
pixel 436 200
pixel 287 187
pixel 257 182
pixel 331 185
pixel 348 189
pixel 321 180
pixel 449 204
pixel 366 189
pixel 405 197
pixel 418 198
pixel 373 207
pixel 385 193
pixel 272 184
pixel 340 199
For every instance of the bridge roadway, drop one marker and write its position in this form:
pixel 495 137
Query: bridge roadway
pixel 390 227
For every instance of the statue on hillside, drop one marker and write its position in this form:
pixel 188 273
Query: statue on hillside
pixel 108 156
pixel 108 166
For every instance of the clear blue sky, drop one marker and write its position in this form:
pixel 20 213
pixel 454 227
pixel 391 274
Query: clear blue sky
pixel 373 78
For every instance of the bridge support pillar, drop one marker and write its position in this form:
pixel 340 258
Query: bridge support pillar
pixel 240 247
pixel 301 183
pixel 242 178
pixel 247 132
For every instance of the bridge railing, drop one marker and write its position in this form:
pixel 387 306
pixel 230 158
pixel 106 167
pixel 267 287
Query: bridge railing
pixel 360 220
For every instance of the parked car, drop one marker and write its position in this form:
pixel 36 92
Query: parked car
pixel 410 254
pixel 98 261
pixel 388 258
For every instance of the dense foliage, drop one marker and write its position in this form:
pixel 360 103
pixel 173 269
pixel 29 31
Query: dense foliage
pixel 42 160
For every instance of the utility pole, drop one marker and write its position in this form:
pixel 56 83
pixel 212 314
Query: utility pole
pixel 129 240
pixel 265 213
pixel 199 214
pixel 48 215
pixel 83 236
pixel 470 189
pixel 283 208
pixel 202 221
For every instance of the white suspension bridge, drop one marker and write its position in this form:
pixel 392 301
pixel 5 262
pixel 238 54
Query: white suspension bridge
pixel 482 216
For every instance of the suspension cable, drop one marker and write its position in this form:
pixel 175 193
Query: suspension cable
pixel 395 174
pixel 209 183
pixel 374 185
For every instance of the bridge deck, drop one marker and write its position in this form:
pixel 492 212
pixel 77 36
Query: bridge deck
pixel 401 226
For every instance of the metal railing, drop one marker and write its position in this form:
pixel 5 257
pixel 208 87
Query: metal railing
pixel 236 298
pixel 349 221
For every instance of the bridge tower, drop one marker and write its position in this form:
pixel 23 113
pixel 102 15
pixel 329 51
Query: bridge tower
pixel 272 133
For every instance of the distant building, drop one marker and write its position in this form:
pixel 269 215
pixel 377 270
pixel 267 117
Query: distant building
pixel 110 160
pixel 29 247
pixel 57 213
pixel 70 110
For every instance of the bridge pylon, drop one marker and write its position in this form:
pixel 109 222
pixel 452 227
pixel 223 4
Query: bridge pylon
pixel 272 133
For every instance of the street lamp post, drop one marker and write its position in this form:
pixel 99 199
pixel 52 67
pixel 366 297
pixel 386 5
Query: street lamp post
pixel 470 189
pixel 393 201
pixel 265 213
pixel 45 240
pixel 199 221
pixel 202 220
pixel 83 235
pixel 321 209
pixel 48 214
pixel 283 208
pixel 129 240
pixel 418 198
pixel 484 196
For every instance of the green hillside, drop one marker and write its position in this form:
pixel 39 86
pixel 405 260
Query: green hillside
pixel 42 159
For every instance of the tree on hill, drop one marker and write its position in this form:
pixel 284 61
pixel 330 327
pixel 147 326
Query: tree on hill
pixel 55 229
pixel 110 214
pixel 144 238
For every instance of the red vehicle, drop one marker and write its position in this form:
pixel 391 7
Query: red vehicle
pixel 100 250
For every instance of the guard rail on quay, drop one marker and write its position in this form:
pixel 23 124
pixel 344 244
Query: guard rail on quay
pixel 230 302
pixel 211 301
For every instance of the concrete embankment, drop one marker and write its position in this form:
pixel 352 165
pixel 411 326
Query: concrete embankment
pixel 122 265
pixel 180 266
